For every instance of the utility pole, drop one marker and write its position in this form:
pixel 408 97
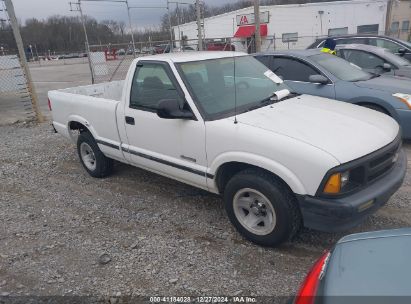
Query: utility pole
pixel 178 25
pixel 199 30
pixel 171 29
pixel 20 47
pixel 257 25
pixel 83 21
pixel 131 29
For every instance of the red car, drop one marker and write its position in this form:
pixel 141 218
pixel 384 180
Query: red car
pixel 219 46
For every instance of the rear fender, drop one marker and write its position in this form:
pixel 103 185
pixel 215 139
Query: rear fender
pixel 74 134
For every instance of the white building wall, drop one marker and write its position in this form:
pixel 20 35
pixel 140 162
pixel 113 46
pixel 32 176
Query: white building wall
pixel 303 19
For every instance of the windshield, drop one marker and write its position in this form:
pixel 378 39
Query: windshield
pixel 341 68
pixel 211 83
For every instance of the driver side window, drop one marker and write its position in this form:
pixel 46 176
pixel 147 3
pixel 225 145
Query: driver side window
pixel 292 69
pixel 364 60
pixel 151 84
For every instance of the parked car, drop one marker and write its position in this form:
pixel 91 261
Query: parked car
pixel 121 52
pixel 321 74
pixel 211 120
pixel 187 48
pixel 219 46
pixel 162 48
pixel 375 60
pixel 395 46
pixel 147 50
pixel 366 268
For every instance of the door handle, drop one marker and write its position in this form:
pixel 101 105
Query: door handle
pixel 129 120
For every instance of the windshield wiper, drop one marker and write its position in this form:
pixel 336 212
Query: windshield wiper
pixel 265 102
pixel 273 98
pixel 374 76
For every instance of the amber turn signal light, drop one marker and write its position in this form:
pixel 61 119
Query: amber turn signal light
pixel 333 185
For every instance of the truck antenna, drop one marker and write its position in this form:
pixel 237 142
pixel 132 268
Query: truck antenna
pixel 235 93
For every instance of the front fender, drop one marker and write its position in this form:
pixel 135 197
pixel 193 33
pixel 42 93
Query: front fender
pixel 259 161
pixel 377 101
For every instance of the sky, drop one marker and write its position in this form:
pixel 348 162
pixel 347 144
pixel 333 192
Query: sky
pixel 41 9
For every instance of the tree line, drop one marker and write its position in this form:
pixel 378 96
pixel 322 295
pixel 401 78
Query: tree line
pixel 59 34
pixel 65 33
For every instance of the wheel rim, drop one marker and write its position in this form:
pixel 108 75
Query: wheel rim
pixel 254 211
pixel 88 157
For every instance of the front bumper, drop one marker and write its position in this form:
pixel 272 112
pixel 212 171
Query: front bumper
pixel 332 215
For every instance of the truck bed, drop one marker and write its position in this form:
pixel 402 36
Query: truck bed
pixel 94 106
pixel 107 90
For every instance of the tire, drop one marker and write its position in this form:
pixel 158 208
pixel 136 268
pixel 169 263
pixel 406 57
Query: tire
pixel 91 157
pixel 262 196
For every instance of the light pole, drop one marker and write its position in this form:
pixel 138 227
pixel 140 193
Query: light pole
pixel 169 24
pixel 178 17
pixel 78 9
pixel 257 26
pixel 143 7
pixel 199 31
pixel 129 18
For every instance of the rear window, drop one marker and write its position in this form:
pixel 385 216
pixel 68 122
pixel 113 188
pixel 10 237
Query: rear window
pixel 372 267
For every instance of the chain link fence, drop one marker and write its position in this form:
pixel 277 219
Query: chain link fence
pixel 111 61
pixel 15 95
pixel 56 58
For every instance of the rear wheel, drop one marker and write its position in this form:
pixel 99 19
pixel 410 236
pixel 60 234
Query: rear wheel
pixel 261 208
pixel 91 157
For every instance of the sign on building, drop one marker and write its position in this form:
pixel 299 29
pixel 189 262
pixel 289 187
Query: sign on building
pixel 249 18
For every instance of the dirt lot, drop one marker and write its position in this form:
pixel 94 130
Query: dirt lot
pixel 160 237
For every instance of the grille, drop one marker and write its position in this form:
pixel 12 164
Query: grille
pixel 383 160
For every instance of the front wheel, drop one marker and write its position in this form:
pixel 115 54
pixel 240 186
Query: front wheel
pixel 261 208
pixel 91 157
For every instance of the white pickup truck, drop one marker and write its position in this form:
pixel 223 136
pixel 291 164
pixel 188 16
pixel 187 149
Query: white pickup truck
pixel 221 122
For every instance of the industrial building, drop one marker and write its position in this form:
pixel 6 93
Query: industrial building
pixel 290 26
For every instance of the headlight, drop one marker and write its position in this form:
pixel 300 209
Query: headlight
pixel 344 181
pixel 405 98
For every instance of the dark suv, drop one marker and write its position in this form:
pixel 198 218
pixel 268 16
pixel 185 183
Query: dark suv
pixel 396 46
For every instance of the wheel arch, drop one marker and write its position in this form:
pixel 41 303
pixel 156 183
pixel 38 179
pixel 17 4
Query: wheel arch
pixel 384 105
pixel 224 170
pixel 79 124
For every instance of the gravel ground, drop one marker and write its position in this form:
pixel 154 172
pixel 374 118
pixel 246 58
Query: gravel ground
pixel 63 232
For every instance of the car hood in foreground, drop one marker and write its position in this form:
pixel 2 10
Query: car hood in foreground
pixel 367 266
pixel 343 130
pixel 387 83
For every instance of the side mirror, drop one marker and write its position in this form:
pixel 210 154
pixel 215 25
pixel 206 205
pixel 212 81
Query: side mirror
pixel 387 67
pixel 170 109
pixel 318 79
pixel 402 51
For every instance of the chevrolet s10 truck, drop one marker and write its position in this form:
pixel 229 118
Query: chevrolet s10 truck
pixel 222 122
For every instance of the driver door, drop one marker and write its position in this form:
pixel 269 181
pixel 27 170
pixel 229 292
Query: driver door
pixel 171 147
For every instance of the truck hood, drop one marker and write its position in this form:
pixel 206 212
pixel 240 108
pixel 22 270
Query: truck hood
pixel 345 131
pixel 387 83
